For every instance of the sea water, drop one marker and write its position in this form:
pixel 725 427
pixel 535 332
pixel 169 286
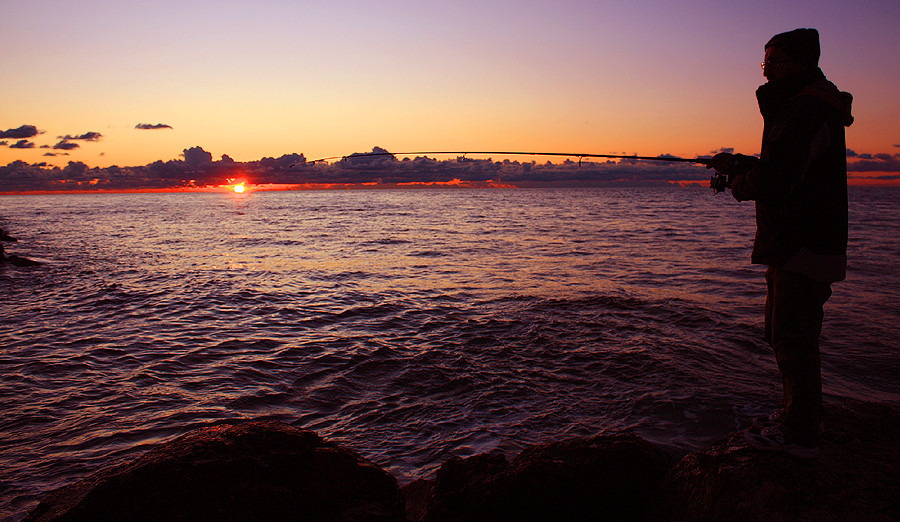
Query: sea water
pixel 408 325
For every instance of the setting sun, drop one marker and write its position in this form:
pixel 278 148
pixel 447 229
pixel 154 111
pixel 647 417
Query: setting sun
pixel 239 188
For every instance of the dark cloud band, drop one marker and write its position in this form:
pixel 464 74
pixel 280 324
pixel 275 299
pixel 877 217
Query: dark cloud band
pixel 22 144
pixel 198 169
pixel 87 136
pixel 66 145
pixel 25 131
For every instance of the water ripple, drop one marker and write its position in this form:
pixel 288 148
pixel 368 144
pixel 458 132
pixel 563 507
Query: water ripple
pixel 411 326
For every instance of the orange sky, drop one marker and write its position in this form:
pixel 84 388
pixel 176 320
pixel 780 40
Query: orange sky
pixel 330 78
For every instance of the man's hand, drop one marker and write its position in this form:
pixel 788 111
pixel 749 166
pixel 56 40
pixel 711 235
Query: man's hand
pixel 723 163
pixel 740 189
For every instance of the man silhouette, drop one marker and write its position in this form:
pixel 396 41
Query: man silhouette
pixel 799 184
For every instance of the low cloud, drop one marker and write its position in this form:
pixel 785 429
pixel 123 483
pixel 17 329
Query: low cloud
pixel 873 162
pixel 87 136
pixel 66 145
pixel 196 156
pixel 151 126
pixel 22 144
pixel 25 131
pixel 197 169
pixel 66 141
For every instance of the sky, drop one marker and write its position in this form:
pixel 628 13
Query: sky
pixel 129 83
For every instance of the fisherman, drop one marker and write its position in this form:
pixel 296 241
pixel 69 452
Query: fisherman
pixel 799 184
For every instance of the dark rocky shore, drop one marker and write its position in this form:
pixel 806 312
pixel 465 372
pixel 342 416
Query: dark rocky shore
pixel 265 470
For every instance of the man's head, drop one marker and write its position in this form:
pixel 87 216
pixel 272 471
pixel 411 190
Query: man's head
pixel 791 52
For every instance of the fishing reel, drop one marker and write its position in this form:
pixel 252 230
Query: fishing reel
pixel 719 182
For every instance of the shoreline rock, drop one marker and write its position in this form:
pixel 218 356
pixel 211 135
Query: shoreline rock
pixel 266 470
pixel 857 476
pixel 610 476
pixel 13 259
pixel 255 470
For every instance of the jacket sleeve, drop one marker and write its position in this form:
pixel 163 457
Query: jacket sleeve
pixel 789 147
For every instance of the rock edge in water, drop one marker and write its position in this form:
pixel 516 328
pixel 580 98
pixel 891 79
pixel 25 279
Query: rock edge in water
pixel 254 470
pixel 266 470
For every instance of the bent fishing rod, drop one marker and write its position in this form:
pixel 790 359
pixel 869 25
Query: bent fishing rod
pixel 701 161
pixel 718 182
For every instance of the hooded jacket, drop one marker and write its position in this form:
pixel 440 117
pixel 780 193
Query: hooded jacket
pixel 799 182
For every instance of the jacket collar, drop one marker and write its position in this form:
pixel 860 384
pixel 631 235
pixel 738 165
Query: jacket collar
pixel 773 94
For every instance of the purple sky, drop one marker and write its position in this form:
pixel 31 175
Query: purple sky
pixel 325 78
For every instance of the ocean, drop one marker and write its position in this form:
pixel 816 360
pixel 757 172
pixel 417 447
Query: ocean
pixel 408 325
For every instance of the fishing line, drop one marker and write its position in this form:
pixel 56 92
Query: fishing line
pixel 718 182
pixel 580 156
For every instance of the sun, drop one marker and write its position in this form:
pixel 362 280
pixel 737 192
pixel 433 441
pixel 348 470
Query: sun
pixel 239 188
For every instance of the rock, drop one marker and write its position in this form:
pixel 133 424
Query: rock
pixel 17 261
pixel 417 494
pixel 855 478
pixel 607 477
pixel 255 470
pixel 13 259
pixel 265 470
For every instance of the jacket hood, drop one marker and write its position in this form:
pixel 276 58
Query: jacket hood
pixel 774 94
pixel 829 93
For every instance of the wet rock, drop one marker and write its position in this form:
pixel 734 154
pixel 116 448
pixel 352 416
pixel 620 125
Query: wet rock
pixel 607 477
pixel 855 478
pixel 255 470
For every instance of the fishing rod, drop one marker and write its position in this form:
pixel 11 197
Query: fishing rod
pixel 718 182
pixel 580 156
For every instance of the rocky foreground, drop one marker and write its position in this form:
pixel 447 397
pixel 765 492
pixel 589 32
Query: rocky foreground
pixel 266 470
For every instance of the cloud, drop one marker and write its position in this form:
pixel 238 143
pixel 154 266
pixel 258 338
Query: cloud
pixel 87 136
pixel 874 163
pixel 197 169
pixel 197 156
pixel 25 131
pixel 150 126
pixel 66 141
pixel 22 144
pixel 66 145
